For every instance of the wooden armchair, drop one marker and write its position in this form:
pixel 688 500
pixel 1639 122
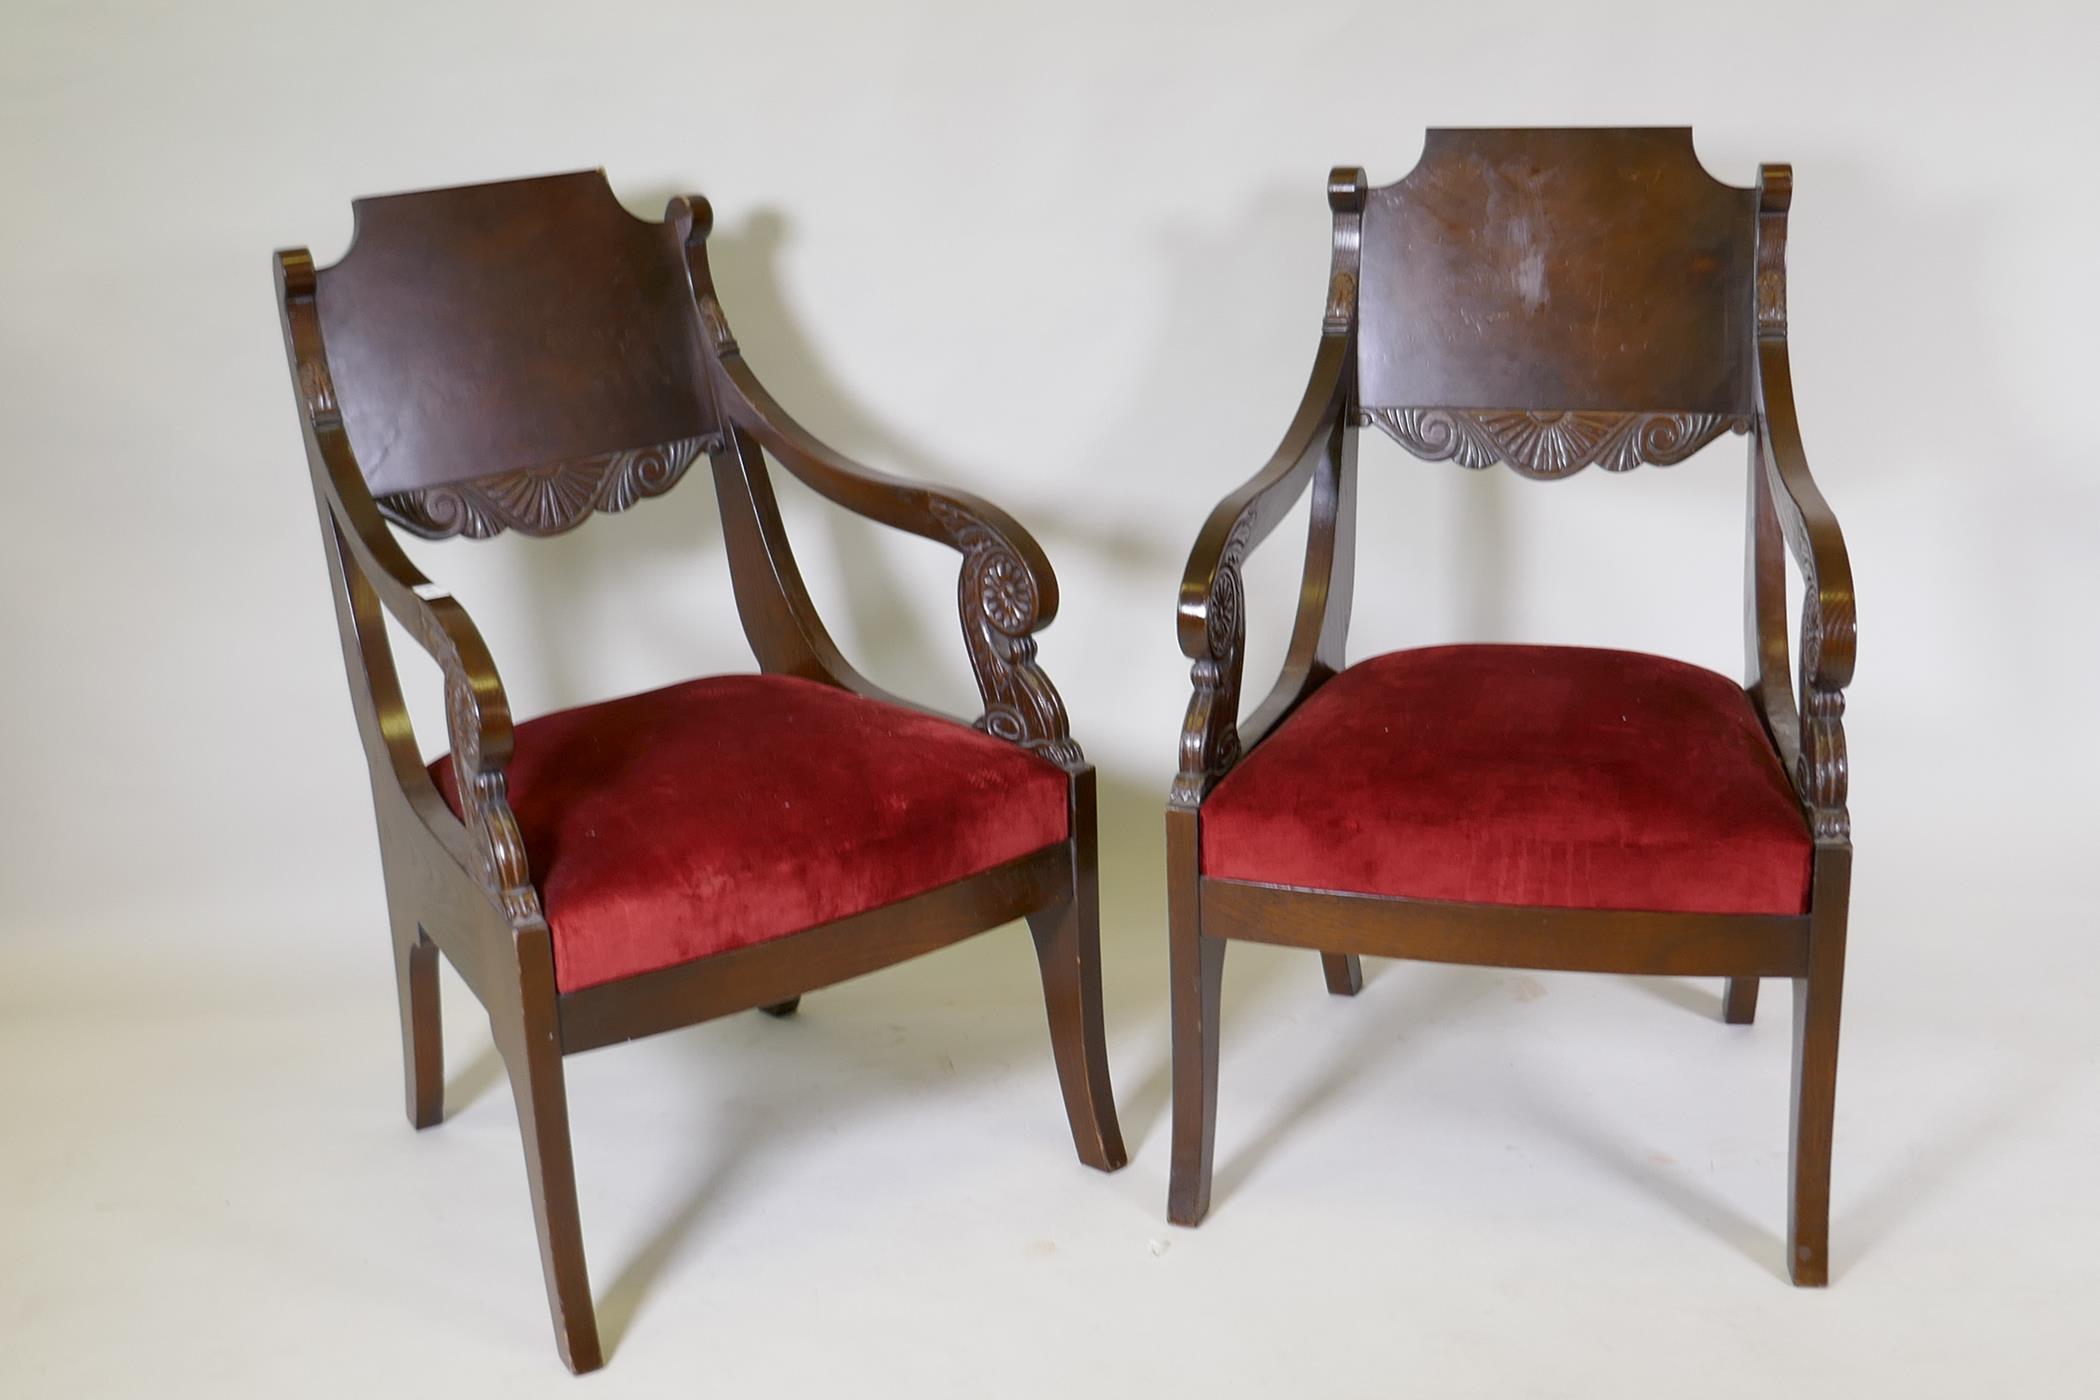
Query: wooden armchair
pixel 1551 300
pixel 518 356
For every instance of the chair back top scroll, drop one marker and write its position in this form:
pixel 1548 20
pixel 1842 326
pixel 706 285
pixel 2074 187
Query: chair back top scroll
pixel 1555 298
pixel 513 355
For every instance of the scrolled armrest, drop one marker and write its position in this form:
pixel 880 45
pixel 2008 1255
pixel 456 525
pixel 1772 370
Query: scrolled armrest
pixel 1006 590
pixel 1211 618
pixel 477 711
pixel 1829 614
pixel 478 725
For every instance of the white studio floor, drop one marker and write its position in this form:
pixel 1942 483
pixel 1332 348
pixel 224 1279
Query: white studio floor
pixel 1463 1183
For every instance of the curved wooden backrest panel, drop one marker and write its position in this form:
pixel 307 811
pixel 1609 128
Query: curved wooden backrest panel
pixel 531 331
pixel 1557 285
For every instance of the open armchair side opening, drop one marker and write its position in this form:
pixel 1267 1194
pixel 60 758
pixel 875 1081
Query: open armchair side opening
pixel 520 356
pixel 1552 300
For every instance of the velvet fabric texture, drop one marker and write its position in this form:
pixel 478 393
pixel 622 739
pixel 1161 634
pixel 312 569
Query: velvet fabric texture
pixel 722 812
pixel 1561 777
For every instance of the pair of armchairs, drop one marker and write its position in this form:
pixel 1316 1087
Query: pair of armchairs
pixel 520 356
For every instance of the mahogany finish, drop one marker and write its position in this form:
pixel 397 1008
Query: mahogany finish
pixel 519 356
pixel 1558 270
pixel 445 373
pixel 1551 300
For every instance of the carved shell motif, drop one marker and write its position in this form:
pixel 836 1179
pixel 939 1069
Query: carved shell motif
pixel 1548 445
pixel 543 500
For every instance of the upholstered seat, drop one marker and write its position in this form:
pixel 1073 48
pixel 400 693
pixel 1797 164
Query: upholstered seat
pixel 1520 775
pixel 727 811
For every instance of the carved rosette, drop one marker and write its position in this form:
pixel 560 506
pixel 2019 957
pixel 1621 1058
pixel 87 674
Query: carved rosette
pixel 1210 734
pixel 484 797
pixel 1550 445
pixel 998 600
pixel 544 500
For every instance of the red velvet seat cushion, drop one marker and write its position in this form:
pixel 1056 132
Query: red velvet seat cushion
pixel 722 812
pixel 1558 777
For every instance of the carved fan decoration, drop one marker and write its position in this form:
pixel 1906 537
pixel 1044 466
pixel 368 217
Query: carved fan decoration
pixel 543 500
pixel 1550 445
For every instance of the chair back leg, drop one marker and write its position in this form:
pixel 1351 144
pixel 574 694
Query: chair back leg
pixel 1739 1002
pixel 1345 973
pixel 422 1038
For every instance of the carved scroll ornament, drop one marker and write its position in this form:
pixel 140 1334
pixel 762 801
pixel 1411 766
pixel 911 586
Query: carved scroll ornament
pixel 1210 736
pixel 1829 626
pixel 1825 771
pixel 497 844
pixel 999 602
pixel 543 500
pixel 1548 445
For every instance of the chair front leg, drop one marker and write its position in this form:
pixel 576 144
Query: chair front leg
pixel 1818 999
pixel 1196 969
pixel 1068 948
pixel 530 1041
pixel 422 1037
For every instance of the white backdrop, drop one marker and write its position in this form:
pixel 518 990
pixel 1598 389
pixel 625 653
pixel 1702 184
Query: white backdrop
pixel 1072 258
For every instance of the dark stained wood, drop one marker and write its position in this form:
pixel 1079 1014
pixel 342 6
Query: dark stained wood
pixel 520 356
pixel 1497 935
pixel 422 1034
pixel 1344 973
pixel 529 1037
pixel 492 328
pixel 1818 998
pixel 1318 450
pixel 1829 619
pixel 1576 269
pixel 1006 592
pixel 1067 936
pixel 1545 444
pixel 1196 971
pixel 1553 300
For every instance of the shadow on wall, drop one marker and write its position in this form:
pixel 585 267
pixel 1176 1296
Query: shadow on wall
pixel 1242 303
pixel 572 583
